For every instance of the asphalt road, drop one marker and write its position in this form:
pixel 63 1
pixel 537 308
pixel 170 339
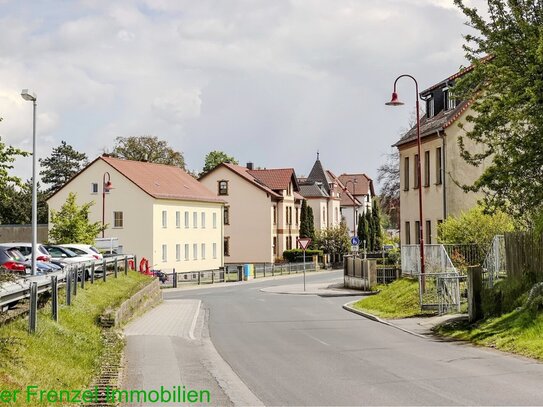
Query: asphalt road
pixel 307 350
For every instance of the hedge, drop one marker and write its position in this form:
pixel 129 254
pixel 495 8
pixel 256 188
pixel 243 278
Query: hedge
pixel 296 254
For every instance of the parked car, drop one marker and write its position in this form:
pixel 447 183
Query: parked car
pixel 12 260
pixel 86 250
pixel 63 256
pixel 26 250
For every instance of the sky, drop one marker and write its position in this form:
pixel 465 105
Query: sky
pixel 267 81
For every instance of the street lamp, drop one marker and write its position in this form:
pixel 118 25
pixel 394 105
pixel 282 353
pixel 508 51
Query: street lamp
pixel 31 97
pixel 354 181
pixel 106 186
pixel 396 102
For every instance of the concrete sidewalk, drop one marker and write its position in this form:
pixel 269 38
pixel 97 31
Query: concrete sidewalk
pixel 332 288
pixel 418 326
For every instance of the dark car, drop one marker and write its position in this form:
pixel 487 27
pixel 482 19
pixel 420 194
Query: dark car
pixel 11 259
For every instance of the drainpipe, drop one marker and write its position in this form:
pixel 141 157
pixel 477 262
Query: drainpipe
pixel 441 135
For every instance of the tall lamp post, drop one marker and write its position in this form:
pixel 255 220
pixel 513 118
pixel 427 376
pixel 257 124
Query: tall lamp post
pixel 396 102
pixel 354 182
pixel 106 187
pixel 31 97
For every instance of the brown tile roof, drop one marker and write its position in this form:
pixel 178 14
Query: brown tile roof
pixel 162 181
pixel 244 173
pixel 364 184
pixel 429 126
pixel 276 179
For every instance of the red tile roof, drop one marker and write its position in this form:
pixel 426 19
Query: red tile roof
pixel 244 173
pixel 364 184
pixel 162 181
pixel 276 179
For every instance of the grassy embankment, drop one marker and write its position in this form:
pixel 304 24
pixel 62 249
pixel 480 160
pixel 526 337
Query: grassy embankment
pixel 63 355
pixel 520 332
pixel 399 299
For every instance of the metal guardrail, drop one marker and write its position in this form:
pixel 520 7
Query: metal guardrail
pixel 18 290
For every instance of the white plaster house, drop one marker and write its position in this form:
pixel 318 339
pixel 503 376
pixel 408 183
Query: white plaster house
pixel 443 168
pixel 262 212
pixel 359 187
pixel 156 211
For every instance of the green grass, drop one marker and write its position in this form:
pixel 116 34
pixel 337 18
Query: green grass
pixel 63 355
pixel 519 332
pixel 399 299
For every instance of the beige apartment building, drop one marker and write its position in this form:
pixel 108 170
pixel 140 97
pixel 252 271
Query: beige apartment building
pixel 359 187
pixel 262 212
pixel 156 211
pixel 443 168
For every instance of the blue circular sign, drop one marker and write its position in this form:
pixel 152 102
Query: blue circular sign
pixel 355 241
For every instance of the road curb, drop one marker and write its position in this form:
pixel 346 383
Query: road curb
pixel 348 307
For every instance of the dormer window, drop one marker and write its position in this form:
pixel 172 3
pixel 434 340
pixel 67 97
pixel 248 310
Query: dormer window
pixel 430 107
pixel 448 101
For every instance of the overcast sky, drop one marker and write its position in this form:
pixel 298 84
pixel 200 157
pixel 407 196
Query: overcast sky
pixel 267 81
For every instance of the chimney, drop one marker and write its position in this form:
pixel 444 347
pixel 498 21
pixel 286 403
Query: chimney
pixel 249 166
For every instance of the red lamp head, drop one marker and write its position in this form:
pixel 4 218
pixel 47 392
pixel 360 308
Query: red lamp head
pixel 108 186
pixel 394 101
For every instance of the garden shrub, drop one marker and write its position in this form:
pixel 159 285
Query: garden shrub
pixel 296 255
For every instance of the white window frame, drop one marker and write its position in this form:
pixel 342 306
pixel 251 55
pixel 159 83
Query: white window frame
pixel 177 219
pixel 187 220
pixel 203 220
pixel 195 220
pixel 165 219
pixel 203 251
pixel 94 187
pixel 214 220
pixel 214 250
pixel 187 252
pixel 178 252
pixel 115 226
pixel 164 253
pixel 195 251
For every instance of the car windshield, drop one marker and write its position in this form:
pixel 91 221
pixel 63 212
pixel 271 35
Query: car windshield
pixel 69 253
pixel 94 249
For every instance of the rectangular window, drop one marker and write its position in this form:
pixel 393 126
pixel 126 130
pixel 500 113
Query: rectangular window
pixel 118 221
pixel 164 253
pixel 406 174
pixel 275 215
pixel 195 251
pixel 416 171
pixel 226 215
pixel 430 107
pixel 428 239
pixel 426 168
pixel 439 222
pixel 94 188
pixel 214 250
pixel 407 233
pixel 297 217
pixel 187 252
pixel 417 232
pixel 439 168
pixel 195 220
pixel 203 251
pixel 177 252
pixel 275 245
pixel 214 220
pixel 164 219
pixel 186 219
pixel 223 187
pixel 177 219
pixel 227 246
pixel 203 220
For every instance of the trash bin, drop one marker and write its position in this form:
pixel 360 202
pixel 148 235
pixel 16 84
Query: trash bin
pixel 247 272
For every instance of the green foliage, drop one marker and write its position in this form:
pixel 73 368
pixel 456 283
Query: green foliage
pixel 16 206
pixel 504 297
pixel 63 163
pixel 71 224
pixel 147 148
pixel 399 299
pixel 474 226
pixel 297 254
pixel 215 158
pixel 334 240
pixel 363 230
pixel 377 229
pixel 304 221
pixel 506 90
pixel 8 155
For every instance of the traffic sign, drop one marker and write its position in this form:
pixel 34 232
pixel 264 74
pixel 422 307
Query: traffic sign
pixel 304 242
pixel 355 241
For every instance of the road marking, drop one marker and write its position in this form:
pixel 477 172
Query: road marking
pixel 193 325
pixel 317 339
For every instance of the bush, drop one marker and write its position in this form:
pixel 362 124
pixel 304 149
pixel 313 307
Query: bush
pixel 295 255
pixel 504 297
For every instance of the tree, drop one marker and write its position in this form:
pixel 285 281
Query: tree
pixel 311 226
pixel 62 165
pixel 215 158
pixel 371 231
pixel 388 176
pixel 377 230
pixel 363 230
pixel 505 88
pixel 71 224
pixel 334 240
pixel 16 205
pixel 8 155
pixel 147 148
pixel 474 227
pixel 305 230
